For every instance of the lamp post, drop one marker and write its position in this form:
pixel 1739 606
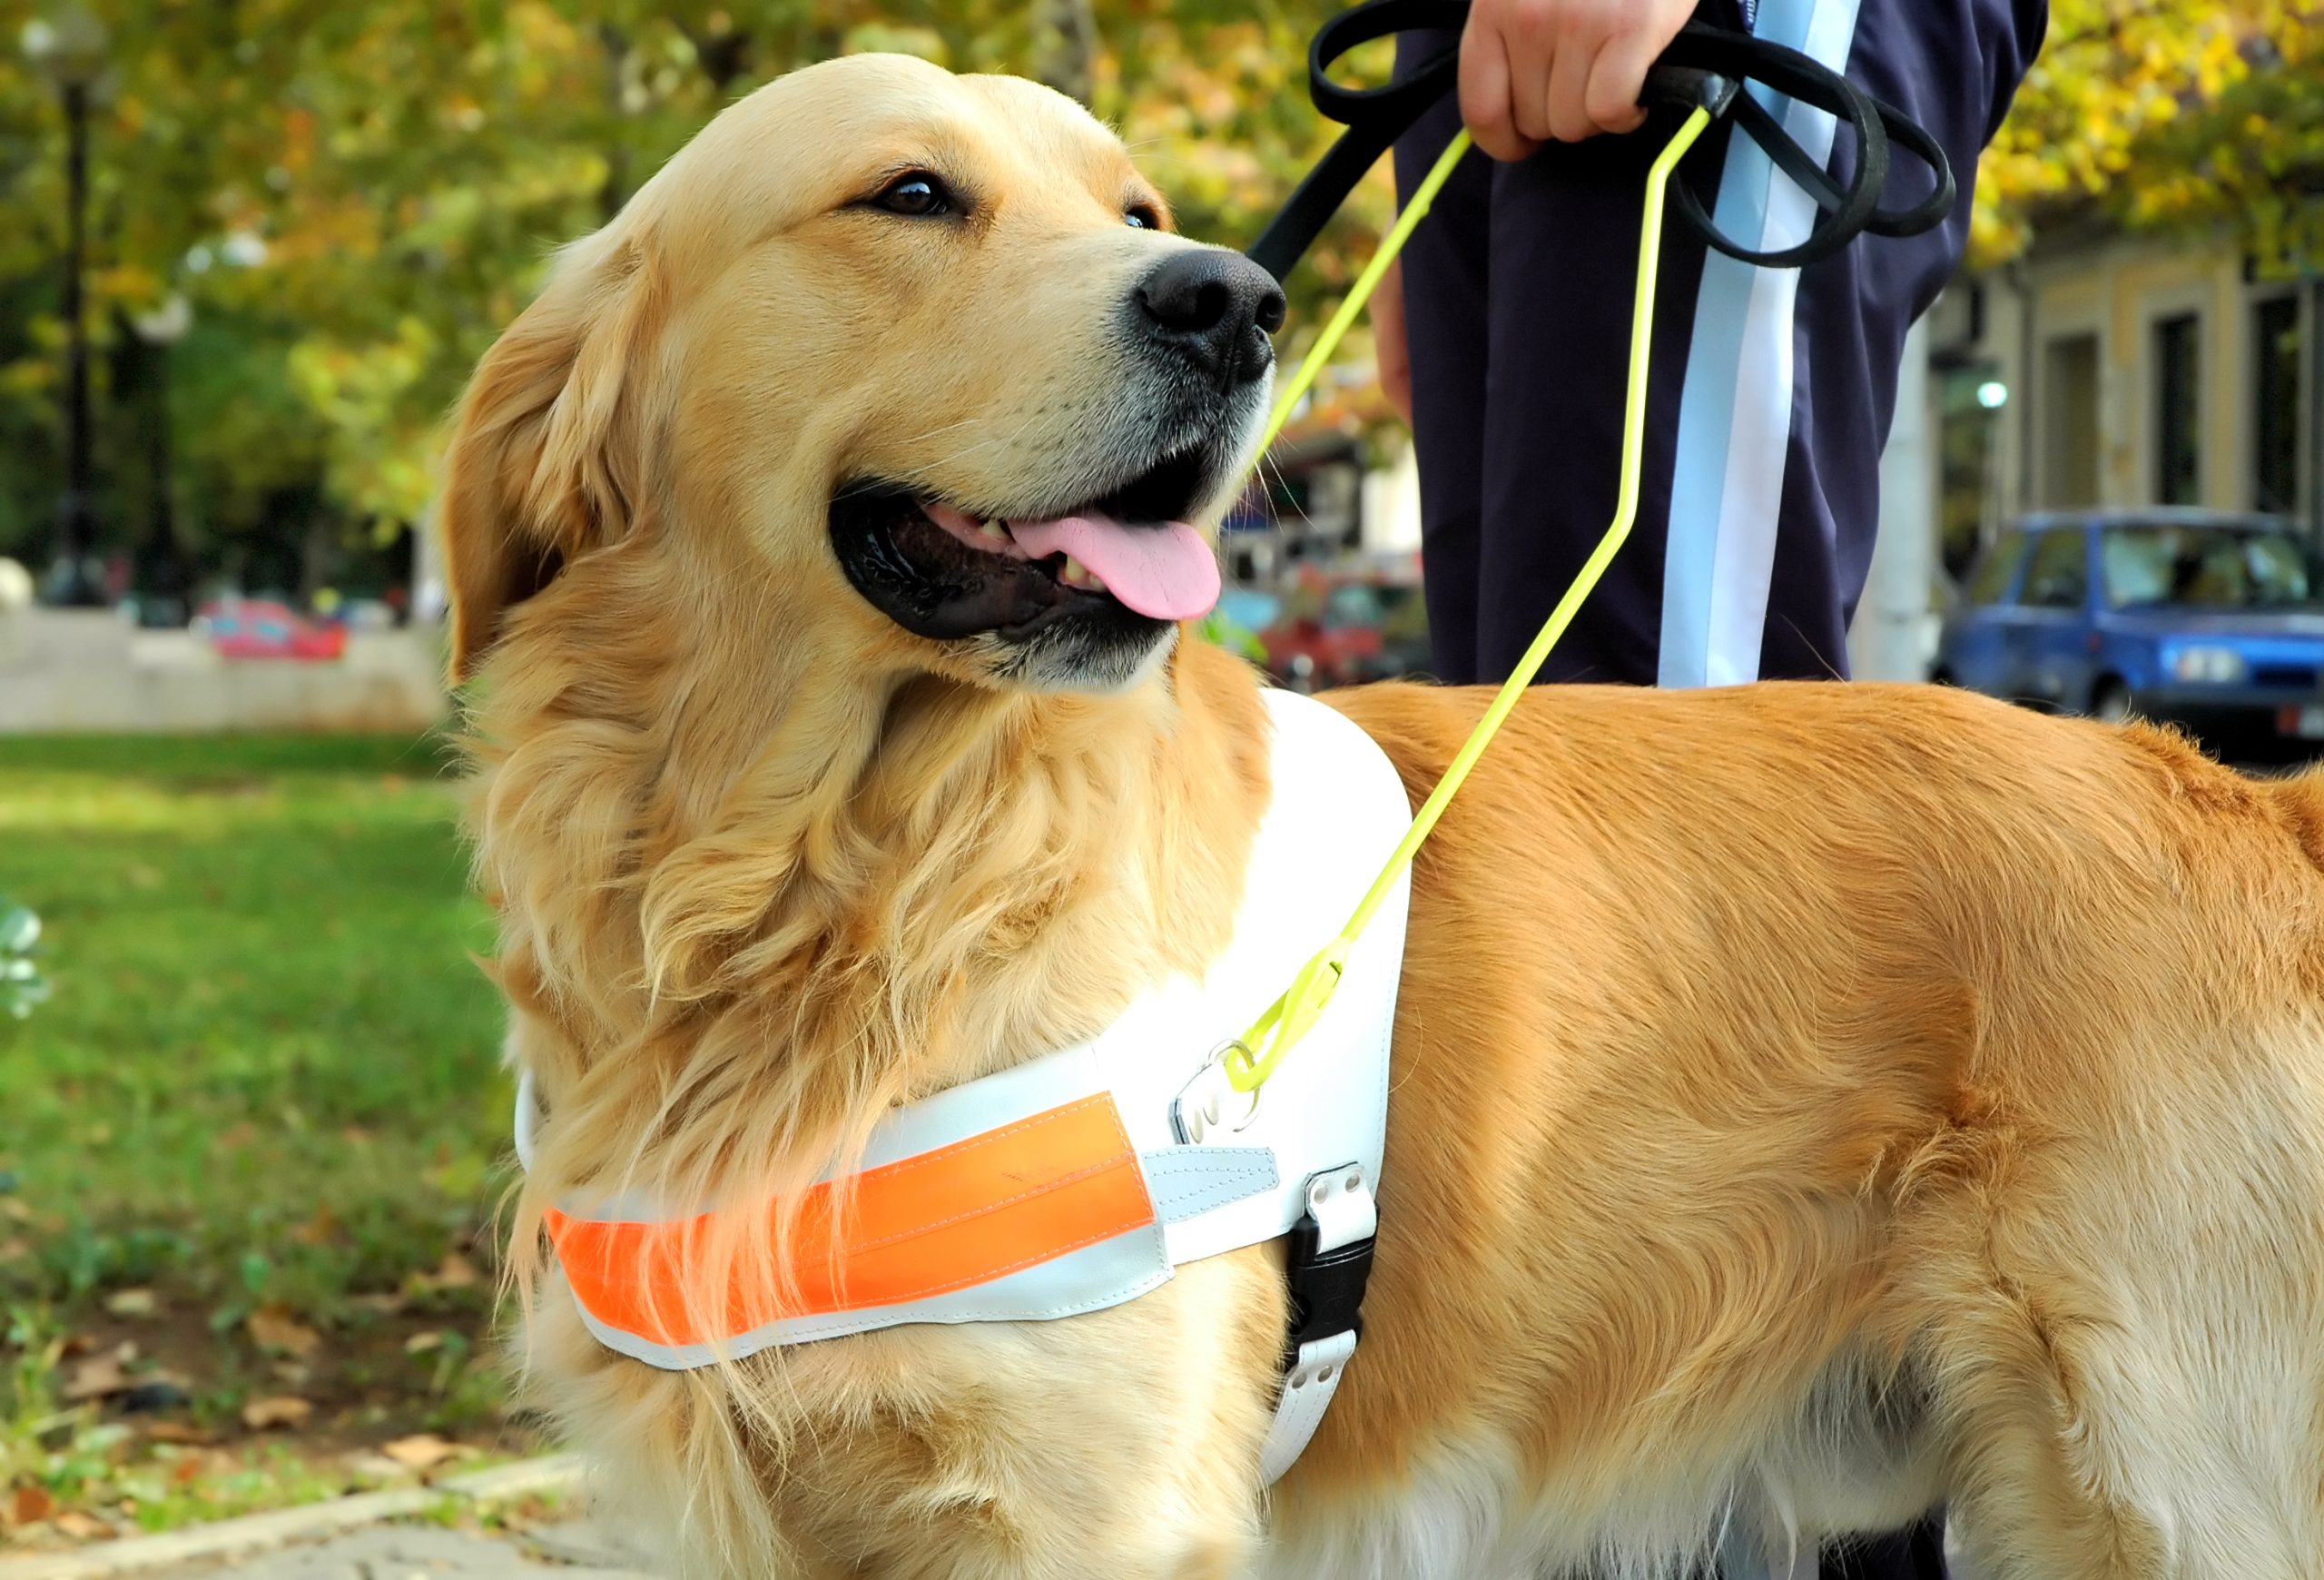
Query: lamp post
pixel 69 49
pixel 161 581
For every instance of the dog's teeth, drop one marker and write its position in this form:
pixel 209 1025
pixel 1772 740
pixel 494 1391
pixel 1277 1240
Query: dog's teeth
pixel 1077 573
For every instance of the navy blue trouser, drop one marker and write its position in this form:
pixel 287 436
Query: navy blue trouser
pixel 1771 390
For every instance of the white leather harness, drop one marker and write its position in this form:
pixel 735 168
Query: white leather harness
pixel 1220 1170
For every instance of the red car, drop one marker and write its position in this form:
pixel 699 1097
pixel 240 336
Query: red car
pixel 258 628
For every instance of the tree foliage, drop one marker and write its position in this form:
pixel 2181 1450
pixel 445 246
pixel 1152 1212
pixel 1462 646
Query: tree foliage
pixel 2160 114
pixel 357 194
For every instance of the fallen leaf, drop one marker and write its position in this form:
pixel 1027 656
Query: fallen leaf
pixel 82 1527
pixel 30 1505
pixel 99 1377
pixel 318 1230
pixel 454 1272
pixel 15 1247
pixel 294 1374
pixel 187 1469
pixel 131 1303
pixel 387 1305
pixel 284 1411
pixel 273 1328
pixel 18 1209
pixel 76 1343
pixel 423 1343
pixel 421 1453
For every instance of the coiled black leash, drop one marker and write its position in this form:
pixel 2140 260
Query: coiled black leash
pixel 1704 68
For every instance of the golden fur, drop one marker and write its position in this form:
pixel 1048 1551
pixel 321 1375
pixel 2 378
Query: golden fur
pixel 1810 1102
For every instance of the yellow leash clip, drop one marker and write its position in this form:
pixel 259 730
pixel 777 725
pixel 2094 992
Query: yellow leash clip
pixel 1256 1056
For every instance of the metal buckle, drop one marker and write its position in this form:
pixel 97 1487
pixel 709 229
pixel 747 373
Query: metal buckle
pixel 1210 1102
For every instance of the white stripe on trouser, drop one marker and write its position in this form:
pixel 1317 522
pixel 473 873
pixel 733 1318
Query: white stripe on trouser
pixel 1735 410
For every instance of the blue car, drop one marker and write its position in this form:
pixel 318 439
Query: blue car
pixel 2213 622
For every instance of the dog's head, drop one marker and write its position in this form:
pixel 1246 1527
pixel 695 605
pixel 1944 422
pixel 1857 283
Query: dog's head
pixel 908 358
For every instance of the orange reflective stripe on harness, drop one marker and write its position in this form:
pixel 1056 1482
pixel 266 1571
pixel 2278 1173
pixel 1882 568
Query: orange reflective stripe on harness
pixel 962 1215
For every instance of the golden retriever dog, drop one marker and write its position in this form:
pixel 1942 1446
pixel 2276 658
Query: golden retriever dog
pixel 1811 1103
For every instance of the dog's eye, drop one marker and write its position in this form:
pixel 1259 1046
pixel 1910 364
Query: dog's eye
pixel 1142 218
pixel 916 194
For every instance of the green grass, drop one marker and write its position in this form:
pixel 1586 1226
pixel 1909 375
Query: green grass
pixel 268 1075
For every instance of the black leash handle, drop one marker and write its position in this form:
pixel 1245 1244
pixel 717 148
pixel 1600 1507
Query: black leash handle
pixel 1703 67
pixel 1374 118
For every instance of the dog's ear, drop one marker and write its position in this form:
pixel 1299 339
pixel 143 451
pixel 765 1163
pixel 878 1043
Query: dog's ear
pixel 544 463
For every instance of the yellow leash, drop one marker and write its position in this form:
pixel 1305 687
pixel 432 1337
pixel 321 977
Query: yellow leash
pixel 1254 1057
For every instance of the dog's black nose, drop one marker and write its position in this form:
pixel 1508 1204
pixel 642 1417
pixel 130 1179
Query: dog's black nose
pixel 1216 307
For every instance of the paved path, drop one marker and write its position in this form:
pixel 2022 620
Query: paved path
pixel 577 1551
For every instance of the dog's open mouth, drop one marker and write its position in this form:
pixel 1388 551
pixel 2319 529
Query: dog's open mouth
pixel 941 570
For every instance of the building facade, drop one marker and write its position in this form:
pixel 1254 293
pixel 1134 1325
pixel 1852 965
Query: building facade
pixel 2112 370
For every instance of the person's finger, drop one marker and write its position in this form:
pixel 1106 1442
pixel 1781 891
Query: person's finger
pixel 1390 349
pixel 1530 32
pixel 1617 77
pixel 1565 93
pixel 1485 103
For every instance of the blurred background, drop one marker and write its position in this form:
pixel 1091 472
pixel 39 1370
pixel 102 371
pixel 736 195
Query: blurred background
pixel 251 1124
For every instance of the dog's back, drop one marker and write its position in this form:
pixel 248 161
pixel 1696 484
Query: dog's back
pixel 1824 1102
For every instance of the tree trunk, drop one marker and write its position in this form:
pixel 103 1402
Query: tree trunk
pixel 1065 45
pixel 616 190
pixel 721 54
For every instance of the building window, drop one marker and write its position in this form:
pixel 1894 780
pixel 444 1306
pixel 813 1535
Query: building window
pixel 2178 408
pixel 1970 410
pixel 2070 432
pixel 2275 406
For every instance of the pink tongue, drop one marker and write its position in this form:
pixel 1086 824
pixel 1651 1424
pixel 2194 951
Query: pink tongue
pixel 1164 572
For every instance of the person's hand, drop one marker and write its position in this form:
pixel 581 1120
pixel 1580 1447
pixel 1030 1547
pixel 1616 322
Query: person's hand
pixel 1388 345
pixel 1534 70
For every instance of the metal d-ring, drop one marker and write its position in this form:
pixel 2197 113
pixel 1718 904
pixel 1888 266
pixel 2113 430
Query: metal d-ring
pixel 1210 1102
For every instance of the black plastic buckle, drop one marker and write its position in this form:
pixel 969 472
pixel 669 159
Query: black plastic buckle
pixel 1327 1286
